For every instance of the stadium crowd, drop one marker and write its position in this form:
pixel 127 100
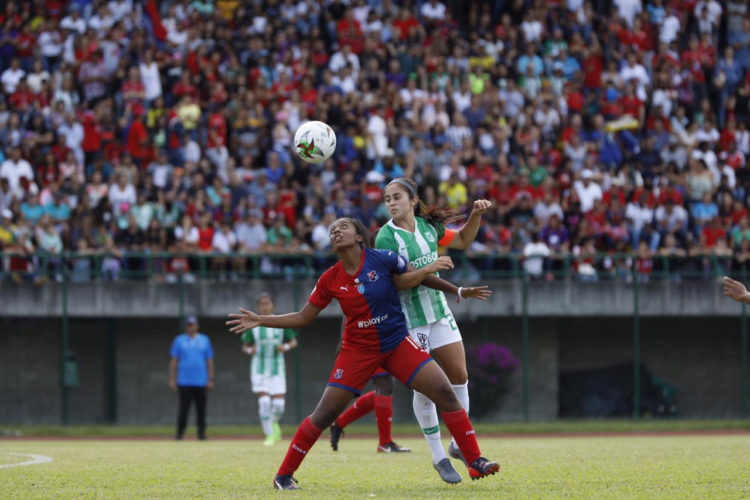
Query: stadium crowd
pixel 594 127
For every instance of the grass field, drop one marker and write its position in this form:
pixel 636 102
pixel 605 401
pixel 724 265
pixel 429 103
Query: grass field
pixel 715 466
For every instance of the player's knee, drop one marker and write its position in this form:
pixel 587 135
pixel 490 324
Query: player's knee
pixel 458 376
pixel 322 418
pixel 445 398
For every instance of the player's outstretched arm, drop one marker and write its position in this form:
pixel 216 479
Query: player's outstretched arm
pixel 736 290
pixel 413 277
pixel 245 319
pixel 467 292
pixel 465 236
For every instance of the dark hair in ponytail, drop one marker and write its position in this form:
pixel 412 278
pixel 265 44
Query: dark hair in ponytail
pixel 360 230
pixel 431 215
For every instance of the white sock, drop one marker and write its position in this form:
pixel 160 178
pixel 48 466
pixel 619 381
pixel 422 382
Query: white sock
pixel 266 417
pixel 277 408
pixel 426 413
pixel 462 393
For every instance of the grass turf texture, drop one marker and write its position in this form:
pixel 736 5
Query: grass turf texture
pixel 556 467
pixel 556 427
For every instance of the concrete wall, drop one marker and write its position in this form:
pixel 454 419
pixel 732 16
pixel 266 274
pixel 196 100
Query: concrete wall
pixel 699 356
pixel 216 299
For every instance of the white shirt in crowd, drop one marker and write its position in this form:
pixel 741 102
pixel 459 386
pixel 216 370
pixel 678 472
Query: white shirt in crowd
pixel 251 236
pixel 224 242
pixel 191 237
pixel 378 145
pixel 13 171
pixel 50 43
pixel 433 11
pixel 543 212
pixel 79 24
pixel 151 80
pixel 534 265
pixel 638 216
pixel 627 9
pixel 118 195
pixel 339 60
pixel 588 194
pixel 10 79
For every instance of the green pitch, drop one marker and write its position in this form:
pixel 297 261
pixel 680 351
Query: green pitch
pixel 568 467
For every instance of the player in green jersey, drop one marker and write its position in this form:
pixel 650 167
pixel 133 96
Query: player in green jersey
pixel 416 234
pixel 267 347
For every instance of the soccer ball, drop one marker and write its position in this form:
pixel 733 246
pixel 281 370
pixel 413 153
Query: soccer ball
pixel 315 142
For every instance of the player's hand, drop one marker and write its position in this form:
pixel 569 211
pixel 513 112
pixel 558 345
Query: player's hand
pixel 476 292
pixel 481 206
pixel 281 348
pixel 242 321
pixel 734 289
pixel 210 385
pixel 441 264
pixel 173 385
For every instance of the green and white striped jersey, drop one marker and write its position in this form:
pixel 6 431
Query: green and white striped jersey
pixel 267 360
pixel 421 305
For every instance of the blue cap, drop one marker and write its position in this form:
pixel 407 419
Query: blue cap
pixel 191 320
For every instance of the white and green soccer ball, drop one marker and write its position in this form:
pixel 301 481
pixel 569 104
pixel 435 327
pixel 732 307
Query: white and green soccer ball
pixel 314 142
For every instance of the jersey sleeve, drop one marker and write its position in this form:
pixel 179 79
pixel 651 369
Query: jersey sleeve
pixel 248 337
pixel 385 240
pixel 289 335
pixel 444 235
pixel 321 295
pixel 209 353
pixel 394 262
pixel 173 350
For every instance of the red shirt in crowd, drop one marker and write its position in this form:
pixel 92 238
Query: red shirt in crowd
pixel 713 234
pixel 205 237
pixel 217 130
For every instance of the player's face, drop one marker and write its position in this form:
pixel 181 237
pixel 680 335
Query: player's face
pixel 265 306
pixel 342 234
pixel 397 201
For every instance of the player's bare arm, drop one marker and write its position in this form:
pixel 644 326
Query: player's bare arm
pixel 467 292
pixel 466 235
pixel 246 319
pixel 413 277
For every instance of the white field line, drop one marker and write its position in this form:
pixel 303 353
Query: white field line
pixel 33 459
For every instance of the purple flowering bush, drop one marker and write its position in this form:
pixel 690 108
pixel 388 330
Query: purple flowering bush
pixel 491 367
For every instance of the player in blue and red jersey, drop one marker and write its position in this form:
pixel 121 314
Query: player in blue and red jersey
pixel 365 282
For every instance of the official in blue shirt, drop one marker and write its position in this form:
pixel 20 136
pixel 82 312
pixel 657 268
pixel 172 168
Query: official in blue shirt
pixel 191 372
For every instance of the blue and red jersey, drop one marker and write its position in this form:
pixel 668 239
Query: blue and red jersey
pixel 369 300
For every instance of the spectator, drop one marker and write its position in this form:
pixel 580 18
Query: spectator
pixel 191 373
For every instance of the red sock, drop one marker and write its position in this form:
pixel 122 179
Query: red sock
pixel 361 407
pixel 303 440
pixel 458 423
pixel 383 413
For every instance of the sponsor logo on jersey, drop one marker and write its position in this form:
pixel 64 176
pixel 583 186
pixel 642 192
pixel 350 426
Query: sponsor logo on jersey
pixel 372 321
pixel 424 260
pixel 372 276
pixel 344 288
pixel 361 289
pixel 338 373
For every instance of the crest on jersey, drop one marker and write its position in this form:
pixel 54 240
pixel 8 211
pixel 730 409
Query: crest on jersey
pixel 372 276
pixel 430 237
pixel 338 373
pixel 422 340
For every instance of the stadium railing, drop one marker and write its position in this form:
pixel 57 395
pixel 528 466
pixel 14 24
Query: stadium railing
pixel 469 266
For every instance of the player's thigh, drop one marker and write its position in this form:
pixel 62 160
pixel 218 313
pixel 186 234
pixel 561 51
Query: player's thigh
pixel 277 385
pixel 331 405
pixel 405 361
pixel 452 359
pixel 260 383
pixel 353 368
pixel 433 383
pixel 383 382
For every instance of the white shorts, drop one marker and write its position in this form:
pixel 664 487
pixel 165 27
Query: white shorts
pixel 437 334
pixel 272 384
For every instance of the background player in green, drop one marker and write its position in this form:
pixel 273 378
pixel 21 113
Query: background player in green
pixel 267 347
pixel 415 233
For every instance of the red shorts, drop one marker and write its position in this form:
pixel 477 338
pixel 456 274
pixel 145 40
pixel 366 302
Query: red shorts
pixel 380 373
pixel 354 367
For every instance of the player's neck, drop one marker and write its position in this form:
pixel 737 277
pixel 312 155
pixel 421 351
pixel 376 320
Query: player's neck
pixel 408 223
pixel 351 258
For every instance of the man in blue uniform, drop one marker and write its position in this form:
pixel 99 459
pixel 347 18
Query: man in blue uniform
pixel 191 372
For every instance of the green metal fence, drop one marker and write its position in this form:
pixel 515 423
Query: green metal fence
pixel 161 265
